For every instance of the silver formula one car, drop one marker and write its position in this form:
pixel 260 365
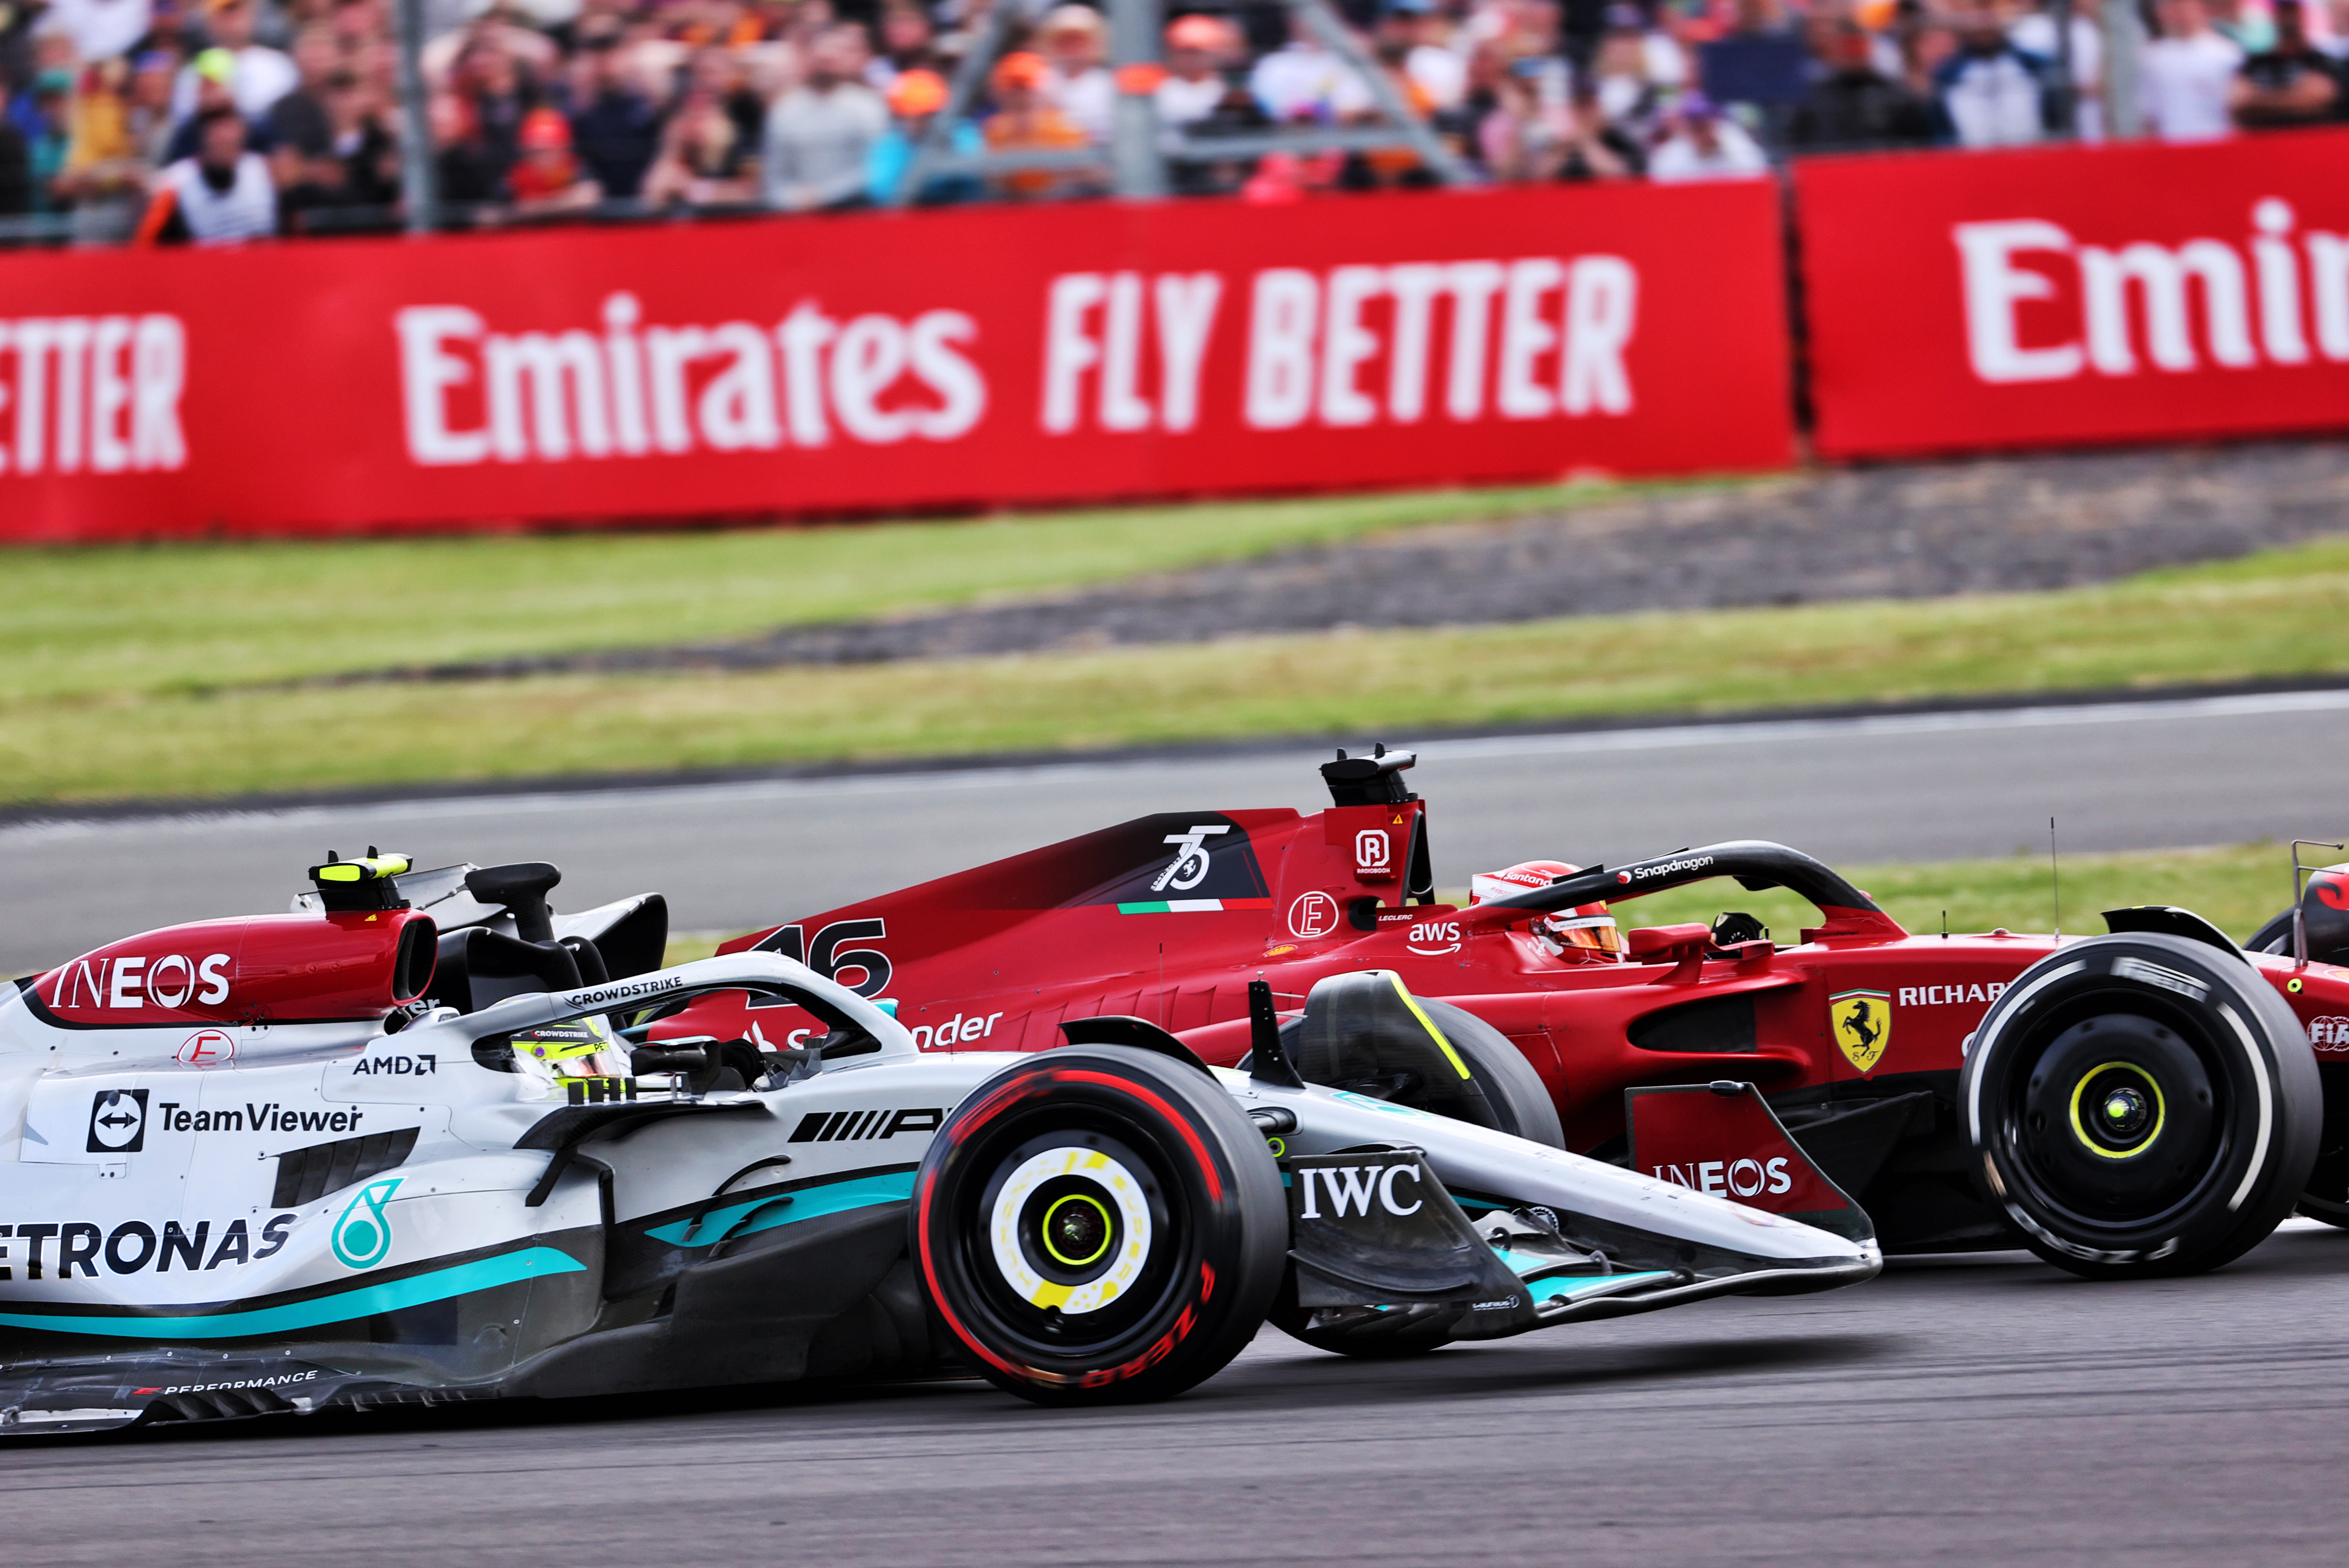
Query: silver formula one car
pixel 398 1146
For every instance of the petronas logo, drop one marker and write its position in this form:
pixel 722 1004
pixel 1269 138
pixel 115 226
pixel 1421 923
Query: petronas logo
pixel 363 1235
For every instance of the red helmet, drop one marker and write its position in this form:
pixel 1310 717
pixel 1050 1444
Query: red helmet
pixel 1584 934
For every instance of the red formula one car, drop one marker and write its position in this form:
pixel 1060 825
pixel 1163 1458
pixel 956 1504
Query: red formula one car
pixel 2142 1102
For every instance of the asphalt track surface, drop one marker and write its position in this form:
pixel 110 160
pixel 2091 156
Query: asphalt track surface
pixel 1968 1410
pixel 734 856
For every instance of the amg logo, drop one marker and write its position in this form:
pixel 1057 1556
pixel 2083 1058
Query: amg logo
pixel 850 1126
pixel 1350 1188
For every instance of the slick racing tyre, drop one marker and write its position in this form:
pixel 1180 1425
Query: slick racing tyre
pixel 2141 1105
pixel 1520 1100
pixel 1099 1224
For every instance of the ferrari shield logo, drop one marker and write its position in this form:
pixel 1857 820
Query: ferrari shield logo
pixel 1862 1022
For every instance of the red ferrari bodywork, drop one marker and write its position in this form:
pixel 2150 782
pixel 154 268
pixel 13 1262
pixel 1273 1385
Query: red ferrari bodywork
pixel 1168 917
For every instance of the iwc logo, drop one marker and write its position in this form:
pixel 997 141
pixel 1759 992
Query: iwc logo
pixel 363 1235
pixel 1862 1023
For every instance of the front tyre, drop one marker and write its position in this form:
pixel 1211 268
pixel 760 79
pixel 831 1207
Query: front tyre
pixel 2141 1105
pixel 1099 1224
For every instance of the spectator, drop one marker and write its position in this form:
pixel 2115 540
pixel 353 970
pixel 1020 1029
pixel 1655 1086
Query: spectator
pixel 16 164
pixel 489 78
pixel 215 71
pixel 298 131
pixel 1306 81
pixel 220 196
pixel 1412 31
pixel 363 142
pixel 100 29
pixel 1626 90
pixel 466 170
pixel 1024 121
pixel 2187 76
pixel 2034 34
pixel 1704 145
pixel 547 178
pixel 1991 94
pixel 704 160
pixel 51 139
pixel 104 178
pixel 2294 83
pixel 915 98
pixel 1854 105
pixel 258 74
pixel 907 44
pixel 617 128
pixel 1593 147
pixel 1075 43
pixel 1196 50
pixel 820 136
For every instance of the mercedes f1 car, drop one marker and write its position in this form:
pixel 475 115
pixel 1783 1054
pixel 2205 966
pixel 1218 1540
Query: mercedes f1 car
pixel 403 1145
pixel 2148 1101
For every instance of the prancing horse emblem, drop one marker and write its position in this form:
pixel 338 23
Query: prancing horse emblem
pixel 1862 1021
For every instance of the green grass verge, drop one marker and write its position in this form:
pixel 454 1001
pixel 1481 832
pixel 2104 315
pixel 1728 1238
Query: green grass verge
pixel 2274 615
pixel 177 618
pixel 2237 886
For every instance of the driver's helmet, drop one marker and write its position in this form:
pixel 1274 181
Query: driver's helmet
pixel 1584 934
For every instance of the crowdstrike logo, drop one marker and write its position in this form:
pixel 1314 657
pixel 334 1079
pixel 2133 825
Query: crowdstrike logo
pixel 2278 296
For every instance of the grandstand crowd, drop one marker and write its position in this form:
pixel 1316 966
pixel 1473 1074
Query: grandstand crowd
pixel 230 120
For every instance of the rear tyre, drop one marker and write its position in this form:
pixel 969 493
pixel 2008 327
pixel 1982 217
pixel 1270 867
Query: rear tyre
pixel 1100 1225
pixel 2141 1105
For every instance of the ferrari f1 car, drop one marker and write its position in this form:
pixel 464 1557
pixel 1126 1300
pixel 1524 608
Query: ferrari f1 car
pixel 2142 1102
pixel 401 1145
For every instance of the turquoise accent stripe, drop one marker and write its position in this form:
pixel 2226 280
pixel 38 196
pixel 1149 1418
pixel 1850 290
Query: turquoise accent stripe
pixel 807 1203
pixel 1572 1286
pixel 417 1289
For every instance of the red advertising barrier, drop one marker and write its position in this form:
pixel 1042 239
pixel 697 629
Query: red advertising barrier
pixel 972 357
pixel 2080 295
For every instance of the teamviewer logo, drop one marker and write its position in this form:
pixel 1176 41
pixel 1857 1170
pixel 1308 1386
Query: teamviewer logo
pixel 118 1121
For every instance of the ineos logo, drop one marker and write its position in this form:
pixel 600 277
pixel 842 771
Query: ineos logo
pixel 1734 1178
pixel 1351 1188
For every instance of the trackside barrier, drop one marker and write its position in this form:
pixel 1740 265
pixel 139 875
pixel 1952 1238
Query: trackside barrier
pixel 990 356
pixel 966 359
pixel 1963 302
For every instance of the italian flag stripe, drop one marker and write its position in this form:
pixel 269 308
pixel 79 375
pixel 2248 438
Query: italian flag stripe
pixel 1192 906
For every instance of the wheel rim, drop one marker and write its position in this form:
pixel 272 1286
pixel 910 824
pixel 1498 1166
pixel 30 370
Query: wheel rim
pixel 2124 1113
pixel 2119 1121
pixel 1068 1230
pixel 1074 1237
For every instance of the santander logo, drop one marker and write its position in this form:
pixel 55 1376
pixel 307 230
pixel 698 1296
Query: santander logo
pixel 2275 295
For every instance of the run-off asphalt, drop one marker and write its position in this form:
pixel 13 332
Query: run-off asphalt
pixel 1962 1411
pixel 736 857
